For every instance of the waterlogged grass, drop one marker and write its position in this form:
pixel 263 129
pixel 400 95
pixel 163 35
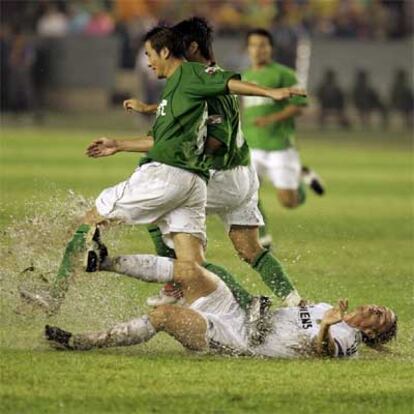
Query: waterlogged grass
pixel 355 242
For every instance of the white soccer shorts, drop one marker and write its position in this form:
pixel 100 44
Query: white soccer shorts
pixel 233 196
pixel 173 198
pixel 283 167
pixel 226 320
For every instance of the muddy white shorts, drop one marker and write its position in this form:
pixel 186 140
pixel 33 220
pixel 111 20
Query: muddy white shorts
pixel 283 167
pixel 173 198
pixel 233 196
pixel 226 320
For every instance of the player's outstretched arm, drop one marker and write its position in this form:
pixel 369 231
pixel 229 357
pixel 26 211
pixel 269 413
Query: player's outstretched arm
pixel 104 147
pixel 135 105
pixel 238 87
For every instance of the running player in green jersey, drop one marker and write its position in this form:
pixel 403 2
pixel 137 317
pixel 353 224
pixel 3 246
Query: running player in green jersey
pixel 232 191
pixel 269 127
pixel 169 186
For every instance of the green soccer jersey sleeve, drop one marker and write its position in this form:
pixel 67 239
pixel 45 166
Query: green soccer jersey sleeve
pixel 208 80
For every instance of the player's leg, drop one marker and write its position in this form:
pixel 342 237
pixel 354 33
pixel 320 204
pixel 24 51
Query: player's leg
pixel 246 242
pixel 185 325
pixel 195 281
pixel 171 293
pixel 284 171
pixel 74 249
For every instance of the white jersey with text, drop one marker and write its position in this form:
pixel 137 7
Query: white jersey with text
pixel 293 330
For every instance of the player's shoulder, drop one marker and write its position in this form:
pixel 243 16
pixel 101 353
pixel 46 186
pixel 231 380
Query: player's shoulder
pixel 280 68
pixel 200 68
pixel 192 67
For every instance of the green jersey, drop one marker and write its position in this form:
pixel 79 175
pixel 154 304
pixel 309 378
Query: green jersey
pixel 224 124
pixel 278 135
pixel 180 127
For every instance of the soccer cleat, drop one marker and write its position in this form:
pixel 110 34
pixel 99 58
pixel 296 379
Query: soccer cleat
pixel 169 294
pixel 258 319
pixel 313 180
pixel 58 337
pixel 96 252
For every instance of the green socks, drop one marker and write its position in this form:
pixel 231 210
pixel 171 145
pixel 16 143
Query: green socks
pixel 160 247
pixel 242 296
pixel 76 245
pixel 273 274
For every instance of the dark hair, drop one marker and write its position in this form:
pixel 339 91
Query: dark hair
pixel 381 338
pixel 260 32
pixel 196 30
pixel 163 36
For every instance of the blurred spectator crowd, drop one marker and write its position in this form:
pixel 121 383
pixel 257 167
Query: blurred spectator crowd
pixel 24 66
pixel 364 97
pixel 129 19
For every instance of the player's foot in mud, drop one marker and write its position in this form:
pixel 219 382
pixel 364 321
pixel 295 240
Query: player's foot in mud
pixel 58 337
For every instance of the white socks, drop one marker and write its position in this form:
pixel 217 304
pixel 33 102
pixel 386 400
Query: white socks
pixel 145 267
pixel 132 332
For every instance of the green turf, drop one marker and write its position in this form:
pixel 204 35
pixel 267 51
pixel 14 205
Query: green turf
pixel 355 242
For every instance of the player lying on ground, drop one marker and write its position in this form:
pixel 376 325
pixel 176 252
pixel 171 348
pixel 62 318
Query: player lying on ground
pixel 213 320
pixel 169 186
pixel 269 127
pixel 232 190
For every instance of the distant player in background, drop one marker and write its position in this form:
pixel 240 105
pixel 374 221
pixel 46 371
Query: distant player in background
pixel 269 128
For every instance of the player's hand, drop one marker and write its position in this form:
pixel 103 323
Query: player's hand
pixel 134 105
pixel 335 315
pixel 263 121
pixel 286 93
pixel 102 147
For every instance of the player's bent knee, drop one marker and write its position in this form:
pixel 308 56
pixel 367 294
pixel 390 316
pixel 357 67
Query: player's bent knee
pixel 288 199
pixel 160 316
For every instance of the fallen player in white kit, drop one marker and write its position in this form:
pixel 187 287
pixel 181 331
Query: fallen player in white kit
pixel 212 320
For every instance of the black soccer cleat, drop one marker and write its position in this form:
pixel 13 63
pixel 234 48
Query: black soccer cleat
pixel 58 336
pixel 313 181
pixel 96 253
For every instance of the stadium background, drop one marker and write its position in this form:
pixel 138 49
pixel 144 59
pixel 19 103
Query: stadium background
pixel 65 68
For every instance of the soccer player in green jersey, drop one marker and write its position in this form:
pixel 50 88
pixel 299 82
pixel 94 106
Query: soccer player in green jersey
pixel 169 186
pixel 232 191
pixel 269 127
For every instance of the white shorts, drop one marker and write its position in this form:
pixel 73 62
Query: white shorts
pixel 283 167
pixel 233 196
pixel 173 198
pixel 226 320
